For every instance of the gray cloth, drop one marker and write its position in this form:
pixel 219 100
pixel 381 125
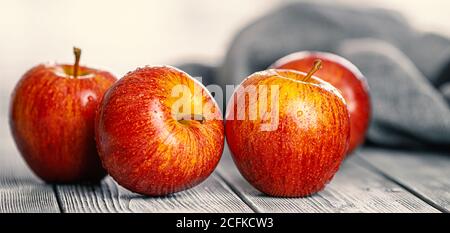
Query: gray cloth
pixel 408 71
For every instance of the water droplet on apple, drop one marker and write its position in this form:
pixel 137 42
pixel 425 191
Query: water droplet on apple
pixel 87 97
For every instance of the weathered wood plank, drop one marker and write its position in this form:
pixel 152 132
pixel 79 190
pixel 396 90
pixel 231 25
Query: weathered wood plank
pixel 20 190
pixel 213 195
pixel 427 174
pixel 355 188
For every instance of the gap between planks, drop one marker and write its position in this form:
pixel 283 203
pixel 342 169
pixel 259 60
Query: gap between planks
pixel 425 174
pixel 20 190
pixel 355 188
pixel 212 195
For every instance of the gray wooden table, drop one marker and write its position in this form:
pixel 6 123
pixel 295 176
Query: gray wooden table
pixel 372 180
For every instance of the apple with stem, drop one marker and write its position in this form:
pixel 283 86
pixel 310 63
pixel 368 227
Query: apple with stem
pixel 346 77
pixel 159 131
pixel 307 141
pixel 52 114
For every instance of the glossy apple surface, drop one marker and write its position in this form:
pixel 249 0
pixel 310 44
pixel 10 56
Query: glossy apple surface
pixel 150 147
pixel 303 152
pixel 52 117
pixel 346 77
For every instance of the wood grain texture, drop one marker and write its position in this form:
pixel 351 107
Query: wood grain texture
pixel 427 174
pixel 374 180
pixel 20 190
pixel 355 188
pixel 213 195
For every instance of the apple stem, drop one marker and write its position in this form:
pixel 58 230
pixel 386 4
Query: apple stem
pixel 184 119
pixel 317 66
pixel 77 53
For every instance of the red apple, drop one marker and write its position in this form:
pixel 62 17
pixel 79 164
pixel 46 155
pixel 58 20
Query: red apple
pixel 52 116
pixel 304 147
pixel 153 141
pixel 346 77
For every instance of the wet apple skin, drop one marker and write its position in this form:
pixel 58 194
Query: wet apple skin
pixel 143 147
pixel 304 152
pixel 52 122
pixel 346 77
